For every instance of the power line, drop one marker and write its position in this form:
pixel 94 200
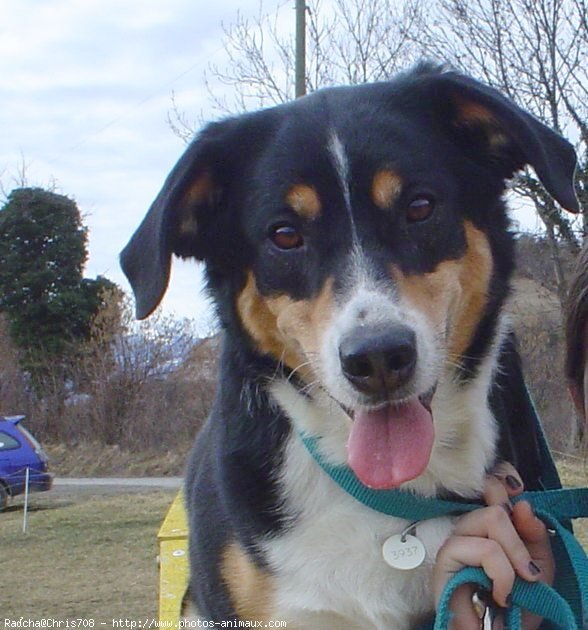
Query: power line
pixel 200 64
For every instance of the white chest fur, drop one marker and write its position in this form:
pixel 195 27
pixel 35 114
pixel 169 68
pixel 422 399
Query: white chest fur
pixel 329 568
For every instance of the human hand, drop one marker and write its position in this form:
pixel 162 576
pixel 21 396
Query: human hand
pixel 504 540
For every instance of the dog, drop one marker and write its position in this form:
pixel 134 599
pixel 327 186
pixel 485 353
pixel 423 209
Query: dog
pixel 358 252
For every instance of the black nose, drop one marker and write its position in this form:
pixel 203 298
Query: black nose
pixel 380 359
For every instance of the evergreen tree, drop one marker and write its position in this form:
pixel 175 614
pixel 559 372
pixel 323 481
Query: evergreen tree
pixel 43 250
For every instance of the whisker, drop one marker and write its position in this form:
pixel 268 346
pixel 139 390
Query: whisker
pixel 298 368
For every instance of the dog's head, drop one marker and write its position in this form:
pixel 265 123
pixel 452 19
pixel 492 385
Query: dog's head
pixel 357 236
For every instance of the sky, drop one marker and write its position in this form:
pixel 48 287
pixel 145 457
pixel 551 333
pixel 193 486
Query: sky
pixel 85 90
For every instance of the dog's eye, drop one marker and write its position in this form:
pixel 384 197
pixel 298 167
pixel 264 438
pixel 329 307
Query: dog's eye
pixel 420 209
pixel 286 236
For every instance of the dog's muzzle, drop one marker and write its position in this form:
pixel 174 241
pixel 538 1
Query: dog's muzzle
pixel 377 361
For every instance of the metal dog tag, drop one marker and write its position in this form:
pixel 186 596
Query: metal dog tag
pixel 403 551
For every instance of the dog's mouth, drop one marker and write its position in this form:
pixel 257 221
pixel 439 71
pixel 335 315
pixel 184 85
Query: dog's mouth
pixel 391 444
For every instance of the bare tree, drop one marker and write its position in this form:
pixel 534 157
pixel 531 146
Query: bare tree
pixel 129 385
pixel 535 52
pixel 18 177
pixel 348 42
pixel 125 369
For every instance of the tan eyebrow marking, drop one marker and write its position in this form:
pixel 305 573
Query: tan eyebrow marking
pixel 304 200
pixel 386 187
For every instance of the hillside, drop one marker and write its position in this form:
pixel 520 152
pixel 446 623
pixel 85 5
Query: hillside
pixel 536 317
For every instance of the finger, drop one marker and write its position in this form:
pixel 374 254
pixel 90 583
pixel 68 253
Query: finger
pixel 534 534
pixel 495 493
pixel 508 476
pixel 460 551
pixel 494 523
pixel 530 528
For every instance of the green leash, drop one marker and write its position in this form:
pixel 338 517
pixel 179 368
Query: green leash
pixel 565 604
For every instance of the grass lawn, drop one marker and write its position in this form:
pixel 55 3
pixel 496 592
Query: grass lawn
pixel 93 559
pixel 97 558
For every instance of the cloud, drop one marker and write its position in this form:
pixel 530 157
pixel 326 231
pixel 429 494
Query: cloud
pixel 86 87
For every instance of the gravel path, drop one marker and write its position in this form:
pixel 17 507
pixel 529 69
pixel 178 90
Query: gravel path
pixel 70 486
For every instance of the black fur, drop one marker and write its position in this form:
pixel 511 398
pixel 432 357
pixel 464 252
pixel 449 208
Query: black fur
pixel 412 124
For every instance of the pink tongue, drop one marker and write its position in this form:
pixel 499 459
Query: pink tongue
pixel 391 445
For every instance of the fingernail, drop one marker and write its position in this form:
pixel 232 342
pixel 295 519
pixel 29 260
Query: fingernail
pixel 512 482
pixel 534 569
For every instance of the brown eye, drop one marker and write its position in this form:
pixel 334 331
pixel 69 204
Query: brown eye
pixel 420 209
pixel 286 237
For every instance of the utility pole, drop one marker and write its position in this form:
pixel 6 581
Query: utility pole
pixel 300 48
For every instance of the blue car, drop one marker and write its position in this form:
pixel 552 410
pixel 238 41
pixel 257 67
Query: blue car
pixel 20 451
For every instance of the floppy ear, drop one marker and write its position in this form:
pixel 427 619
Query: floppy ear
pixel 511 137
pixel 192 195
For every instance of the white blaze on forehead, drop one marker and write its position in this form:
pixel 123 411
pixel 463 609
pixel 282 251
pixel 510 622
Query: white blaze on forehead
pixel 341 163
pixel 359 271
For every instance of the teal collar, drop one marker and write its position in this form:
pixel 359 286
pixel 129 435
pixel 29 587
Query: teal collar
pixel 399 503
pixel 566 606
pixel 558 502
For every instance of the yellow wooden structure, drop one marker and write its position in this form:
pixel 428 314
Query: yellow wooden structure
pixel 173 562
